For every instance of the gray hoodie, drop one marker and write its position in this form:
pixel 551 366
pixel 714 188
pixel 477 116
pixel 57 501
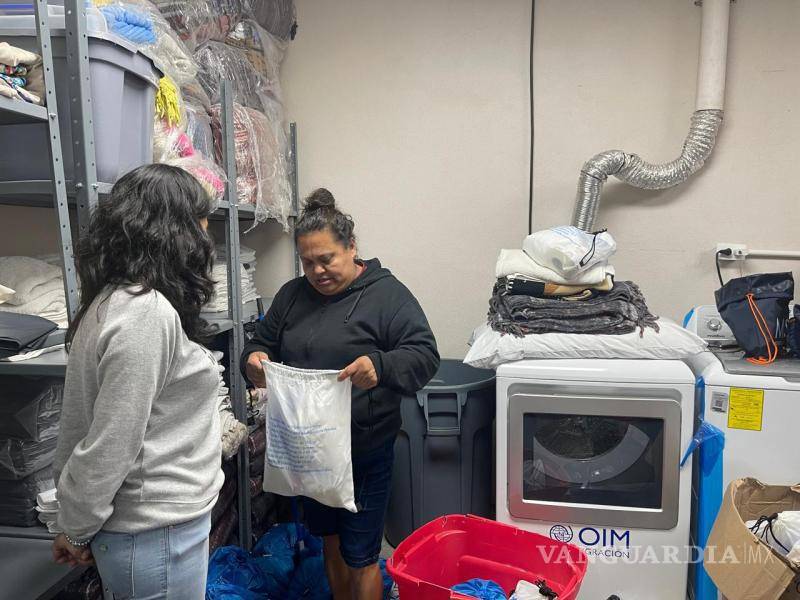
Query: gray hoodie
pixel 139 446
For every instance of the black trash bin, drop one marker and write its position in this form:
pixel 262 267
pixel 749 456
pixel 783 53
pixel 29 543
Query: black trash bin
pixel 444 455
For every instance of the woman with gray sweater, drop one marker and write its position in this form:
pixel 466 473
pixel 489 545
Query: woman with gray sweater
pixel 138 458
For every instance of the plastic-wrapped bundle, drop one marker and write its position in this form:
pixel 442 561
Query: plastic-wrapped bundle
pixel 18 498
pixel 276 16
pixel 263 50
pixel 30 408
pixel 223 529
pixel 19 459
pixel 220 62
pixel 256 486
pixel 140 22
pixel 198 129
pixel 173 145
pixel 198 21
pixel 257 442
pixel 261 163
pixel 194 93
pixel 226 495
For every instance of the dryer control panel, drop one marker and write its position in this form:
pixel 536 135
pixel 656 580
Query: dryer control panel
pixel 707 323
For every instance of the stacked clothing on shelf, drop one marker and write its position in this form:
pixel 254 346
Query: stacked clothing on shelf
pixel 561 282
pixel 47 506
pixel 23 337
pixel 30 409
pixel 38 288
pixel 219 273
pixel 20 74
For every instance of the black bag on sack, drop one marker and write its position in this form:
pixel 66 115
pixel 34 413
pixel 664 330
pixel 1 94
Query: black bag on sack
pixel 756 308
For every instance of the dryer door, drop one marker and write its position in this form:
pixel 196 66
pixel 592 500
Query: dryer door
pixel 599 456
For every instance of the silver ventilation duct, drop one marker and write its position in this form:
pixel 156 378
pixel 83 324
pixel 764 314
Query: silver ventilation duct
pixel 699 143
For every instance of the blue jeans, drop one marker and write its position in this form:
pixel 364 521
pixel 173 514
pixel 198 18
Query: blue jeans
pixel 361 533
pixel 170 563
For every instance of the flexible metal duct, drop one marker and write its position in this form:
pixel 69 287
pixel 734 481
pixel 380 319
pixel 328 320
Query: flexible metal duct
pixel 699 143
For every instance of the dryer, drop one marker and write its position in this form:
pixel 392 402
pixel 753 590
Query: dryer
pixel 588 451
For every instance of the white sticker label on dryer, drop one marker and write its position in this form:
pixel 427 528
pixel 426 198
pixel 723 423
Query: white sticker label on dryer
pixel 719 402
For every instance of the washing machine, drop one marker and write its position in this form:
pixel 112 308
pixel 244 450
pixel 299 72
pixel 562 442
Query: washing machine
pixel 757 408
pixel 588 452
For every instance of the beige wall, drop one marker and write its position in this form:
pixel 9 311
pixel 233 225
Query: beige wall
pixel 627 81
pixel 415 114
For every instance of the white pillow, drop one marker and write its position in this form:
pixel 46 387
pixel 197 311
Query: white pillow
pixel 489 349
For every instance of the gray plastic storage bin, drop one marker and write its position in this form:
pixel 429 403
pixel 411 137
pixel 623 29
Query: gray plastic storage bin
pixel 123 83
pixel 444 455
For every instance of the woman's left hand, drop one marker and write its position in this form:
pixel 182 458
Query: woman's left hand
pixel 361 372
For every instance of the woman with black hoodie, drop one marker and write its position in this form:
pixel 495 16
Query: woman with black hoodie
pixel 350 315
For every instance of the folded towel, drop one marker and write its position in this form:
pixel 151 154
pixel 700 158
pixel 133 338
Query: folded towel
pixel 516 262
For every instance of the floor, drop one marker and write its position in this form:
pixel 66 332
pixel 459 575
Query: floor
pixel 386 549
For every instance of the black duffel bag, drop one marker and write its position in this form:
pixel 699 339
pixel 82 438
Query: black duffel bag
pixel 756 308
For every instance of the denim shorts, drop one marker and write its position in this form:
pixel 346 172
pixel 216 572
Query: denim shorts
pixel 361 533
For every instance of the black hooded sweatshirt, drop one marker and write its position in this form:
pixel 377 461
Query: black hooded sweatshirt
pixel 378 317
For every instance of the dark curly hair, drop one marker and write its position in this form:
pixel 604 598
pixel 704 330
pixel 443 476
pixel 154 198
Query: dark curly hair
pixel 320 212
pixel 148 233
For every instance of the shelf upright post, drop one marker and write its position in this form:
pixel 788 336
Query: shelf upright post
pixel 80 103
pixel 236 338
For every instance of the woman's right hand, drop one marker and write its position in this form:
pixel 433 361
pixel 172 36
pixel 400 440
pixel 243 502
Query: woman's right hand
pixel 255 370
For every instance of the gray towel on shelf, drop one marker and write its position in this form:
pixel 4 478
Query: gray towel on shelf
pixel 620 311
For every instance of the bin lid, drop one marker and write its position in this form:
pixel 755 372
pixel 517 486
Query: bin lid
pixel 453 373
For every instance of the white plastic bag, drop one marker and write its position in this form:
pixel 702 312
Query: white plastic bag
pixel 308 435
pixel 781 533
pixel 568 250
pixel 527 591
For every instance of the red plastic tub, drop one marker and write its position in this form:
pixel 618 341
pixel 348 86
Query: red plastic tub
pixel 455 548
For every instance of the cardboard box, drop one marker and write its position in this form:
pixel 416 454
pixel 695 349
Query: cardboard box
pixel 742 566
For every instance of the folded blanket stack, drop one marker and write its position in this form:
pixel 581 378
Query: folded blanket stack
pixel 18 68
pixel 561 282
pixel 38 288
pixel 247 259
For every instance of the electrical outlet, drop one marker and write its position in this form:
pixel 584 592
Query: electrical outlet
pixel 738 251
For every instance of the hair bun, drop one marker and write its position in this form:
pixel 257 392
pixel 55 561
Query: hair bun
pixel 318 200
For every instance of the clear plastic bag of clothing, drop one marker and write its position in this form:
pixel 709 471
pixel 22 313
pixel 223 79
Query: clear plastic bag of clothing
pixel 262 169
pixel 569 251
pixel 140 22
pixel 308 435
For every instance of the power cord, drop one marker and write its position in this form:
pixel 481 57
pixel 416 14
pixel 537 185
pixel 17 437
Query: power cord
pixel 530 78
pixel 723 252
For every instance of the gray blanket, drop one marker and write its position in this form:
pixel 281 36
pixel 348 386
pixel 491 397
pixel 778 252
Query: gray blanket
pixel 620 311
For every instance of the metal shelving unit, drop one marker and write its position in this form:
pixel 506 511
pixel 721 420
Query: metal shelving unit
pixel 28 568
pixel 82 195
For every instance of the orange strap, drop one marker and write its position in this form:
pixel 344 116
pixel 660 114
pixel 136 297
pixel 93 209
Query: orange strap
pixel 761 322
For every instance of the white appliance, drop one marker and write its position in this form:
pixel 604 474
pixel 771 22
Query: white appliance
pixel 588 452
pixel 757 407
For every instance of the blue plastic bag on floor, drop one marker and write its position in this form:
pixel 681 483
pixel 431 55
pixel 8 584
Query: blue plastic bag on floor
pixel 234 566
pixel 388 583
pixel 277 553
pixel 483 589
pixel 310 581
pixel 227 591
